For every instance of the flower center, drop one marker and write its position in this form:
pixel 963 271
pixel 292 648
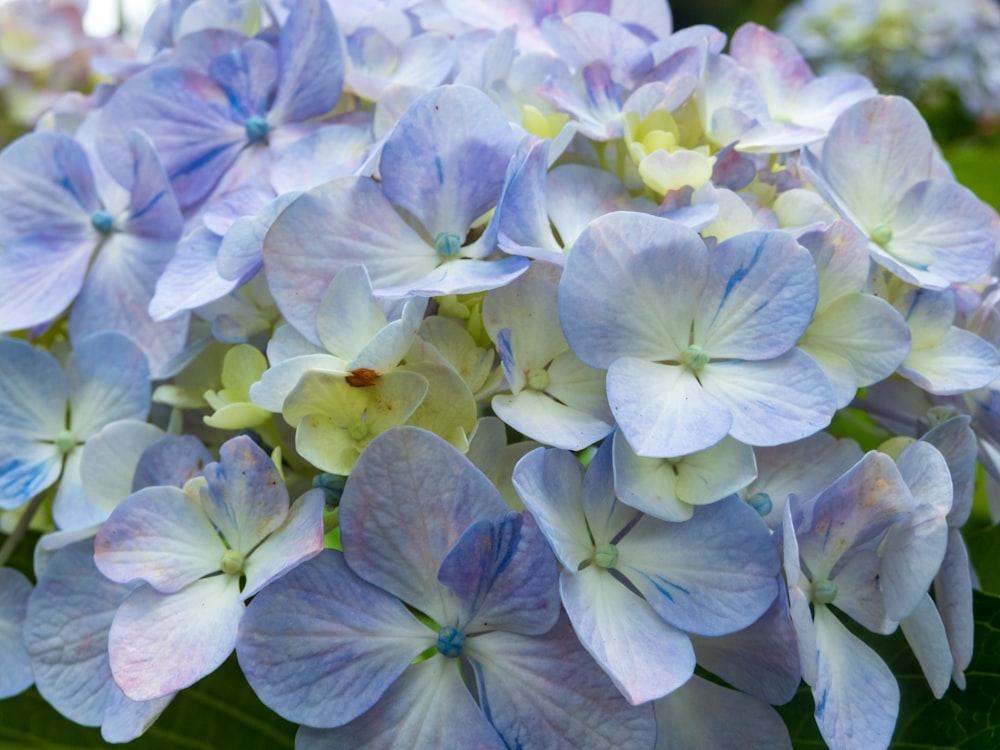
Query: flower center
pixel 256 127
pixel 538 379
pixel 450 642
pixel 606 556
pixel 447 244
pixel 232 563
pixel 882 234
pixel 101 221
pixel 760 502
pixel 358 430
pixel 64 442
pixel 824 591
pixel 695 358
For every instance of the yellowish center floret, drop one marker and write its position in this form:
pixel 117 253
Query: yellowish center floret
pixel 538 379
pixel 232 563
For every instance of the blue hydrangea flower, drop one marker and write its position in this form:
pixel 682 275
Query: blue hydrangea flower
pixel 634 586
pixel 15 665
pixel 105 379
pixel 699 343
pixel 335 645
pixel 192 548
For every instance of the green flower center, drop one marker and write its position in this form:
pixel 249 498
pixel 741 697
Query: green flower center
pixel 695 358
pixel 232 563
pixel 606 556
pixel 538 379
pixel 824 591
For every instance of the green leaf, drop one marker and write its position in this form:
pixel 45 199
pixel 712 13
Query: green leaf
pixel 961 720
pixel 976 166
pixel 984 551
pixel 220 711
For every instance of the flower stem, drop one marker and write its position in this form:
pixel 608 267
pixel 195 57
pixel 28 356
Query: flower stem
pixel 10 544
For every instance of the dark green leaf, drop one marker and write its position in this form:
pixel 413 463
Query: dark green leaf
pixel 221 711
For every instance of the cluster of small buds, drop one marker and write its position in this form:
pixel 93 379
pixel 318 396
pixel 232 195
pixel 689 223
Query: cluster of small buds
pixel 543 315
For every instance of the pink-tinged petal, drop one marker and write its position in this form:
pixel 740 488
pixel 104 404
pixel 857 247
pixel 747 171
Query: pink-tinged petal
pixel 160 643
pixel 663 410
pixel 855 509
pixel 644 656
pixel 550 483
pixel 428 706
pixel 15 662
pixel 803 468
pixel 648 274
pixel 547 691
pixel 26 468
pixel 301 257
pixel 33 391
pixel 446 160
pixel 69 616
pixel 774 401
pixel 714 574
pixel 761 660
pixel 117 293
pixel 159 535
pixel 40 276
pixel 246 498
pixel 953 596
pixel 857 698
pixel 760 296
pixel 108 378
pixel 389 543
pixel 690 718
pixel 109 459
pixel 312 63
pixel 322 646
pixel 926 635
pixel 295 541
pixel 876 150
pixel 773 59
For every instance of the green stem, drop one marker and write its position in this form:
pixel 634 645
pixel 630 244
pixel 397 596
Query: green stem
pixel 10 544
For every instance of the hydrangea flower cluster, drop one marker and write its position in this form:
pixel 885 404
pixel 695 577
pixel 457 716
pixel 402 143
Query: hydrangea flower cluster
pixel 923 49
pixel 542 311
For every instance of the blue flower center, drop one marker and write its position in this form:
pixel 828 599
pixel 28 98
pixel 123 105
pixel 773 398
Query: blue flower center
pixel 256 128
pixel 450 642
pixel 447 244
pixel 760 502
pixel 102 221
